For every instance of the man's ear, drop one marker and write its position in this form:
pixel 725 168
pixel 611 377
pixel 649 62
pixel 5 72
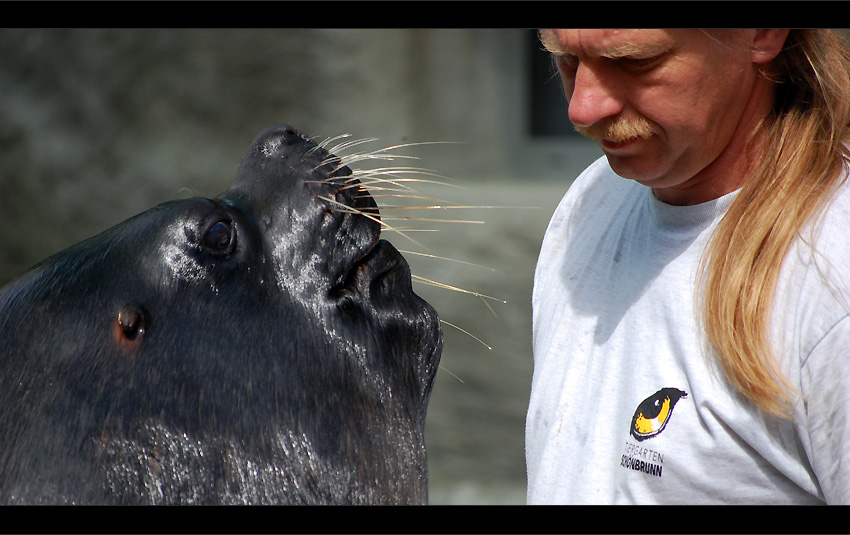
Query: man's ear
pixel 767 44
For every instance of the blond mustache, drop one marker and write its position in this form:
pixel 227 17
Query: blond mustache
pixel 618 131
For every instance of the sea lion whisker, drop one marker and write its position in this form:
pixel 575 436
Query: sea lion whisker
pixel 323 145
pixel 350 209
pixel 327 141
pixel 376 185
pixel 397 183
pixel 428 255
pixel 368 184
pixel 449 372
pixel 397 169
pixel 456 289
pixel 332 160
pixel 339 160
pixel 310 152
pixel 378 154
pixel 416 144
pixel 464 331
pixel 432 219
pixel 405 196
pixel 378 174
pixel 350 159
pixel 348 144
pixel 402 184
pixel 486 304
pixel 381 177
pixel 385 153
pixel 411 229
pixel 389 186
pixel 435 207
pixel 407 230
pixel 413 179
pixel 344 208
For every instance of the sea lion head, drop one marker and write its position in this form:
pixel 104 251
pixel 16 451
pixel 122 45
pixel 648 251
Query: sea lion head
pixel 264 346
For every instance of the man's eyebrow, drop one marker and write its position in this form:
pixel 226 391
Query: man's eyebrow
pixel 645 50
pixel 551 43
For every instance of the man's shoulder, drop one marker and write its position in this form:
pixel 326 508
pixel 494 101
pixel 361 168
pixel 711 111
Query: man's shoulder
pixel 821 255
pixel 831 225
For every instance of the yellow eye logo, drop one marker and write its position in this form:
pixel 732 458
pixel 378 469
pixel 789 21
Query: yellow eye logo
pixel 654 412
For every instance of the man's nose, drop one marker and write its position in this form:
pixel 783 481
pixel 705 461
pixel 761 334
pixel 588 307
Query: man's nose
pixel 592 96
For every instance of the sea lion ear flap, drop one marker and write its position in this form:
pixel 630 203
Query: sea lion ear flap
pixel 130 326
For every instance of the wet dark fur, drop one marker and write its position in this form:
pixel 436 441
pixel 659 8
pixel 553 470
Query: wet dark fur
pixel 259 347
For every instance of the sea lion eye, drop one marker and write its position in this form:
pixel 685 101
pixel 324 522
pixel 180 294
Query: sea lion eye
pixel 220 237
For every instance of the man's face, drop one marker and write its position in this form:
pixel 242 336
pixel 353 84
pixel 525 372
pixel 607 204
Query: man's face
pixel 667 107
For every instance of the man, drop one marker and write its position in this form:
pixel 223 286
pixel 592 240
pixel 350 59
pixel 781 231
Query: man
pixel 692 295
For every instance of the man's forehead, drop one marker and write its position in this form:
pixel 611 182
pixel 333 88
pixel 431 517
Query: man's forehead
pixel 606 42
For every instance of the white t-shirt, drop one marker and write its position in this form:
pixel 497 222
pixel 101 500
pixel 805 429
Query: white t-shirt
pixel 629 406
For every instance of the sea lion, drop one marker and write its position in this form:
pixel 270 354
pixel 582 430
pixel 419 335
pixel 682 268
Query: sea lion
pixel 264 346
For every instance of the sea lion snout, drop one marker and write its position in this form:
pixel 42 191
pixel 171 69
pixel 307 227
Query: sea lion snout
pixel 283 162
pixel 305 199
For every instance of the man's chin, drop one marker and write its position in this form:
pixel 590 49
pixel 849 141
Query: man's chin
pixel 632 168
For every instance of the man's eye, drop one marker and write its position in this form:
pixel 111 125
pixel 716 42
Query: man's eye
pixel 639 65
pixel 566 64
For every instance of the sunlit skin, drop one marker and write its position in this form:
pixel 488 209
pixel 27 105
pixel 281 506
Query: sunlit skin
pixel 701 96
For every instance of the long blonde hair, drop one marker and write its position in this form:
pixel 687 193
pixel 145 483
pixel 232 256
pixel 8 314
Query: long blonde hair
pixel 802 155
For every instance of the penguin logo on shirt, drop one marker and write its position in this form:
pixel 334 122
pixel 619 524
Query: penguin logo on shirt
pixel 653 413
